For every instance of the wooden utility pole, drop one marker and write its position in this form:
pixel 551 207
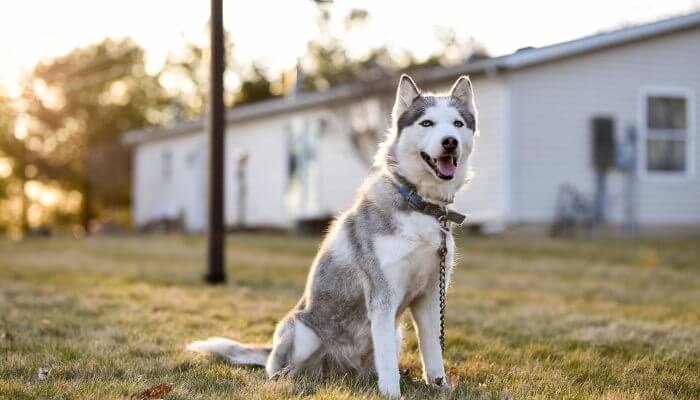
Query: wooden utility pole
pixel 216 125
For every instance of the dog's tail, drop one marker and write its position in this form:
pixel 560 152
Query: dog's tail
pixel 232 351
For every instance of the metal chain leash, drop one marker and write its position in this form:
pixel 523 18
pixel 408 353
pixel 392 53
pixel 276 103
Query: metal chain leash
pixel 445 218
pixel 443 280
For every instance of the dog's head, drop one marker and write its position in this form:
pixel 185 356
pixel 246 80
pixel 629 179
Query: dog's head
pixel 432 137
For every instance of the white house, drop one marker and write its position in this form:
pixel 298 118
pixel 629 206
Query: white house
pixel 536 108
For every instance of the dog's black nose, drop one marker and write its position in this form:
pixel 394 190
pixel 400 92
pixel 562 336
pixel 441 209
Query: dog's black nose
pixel 449 143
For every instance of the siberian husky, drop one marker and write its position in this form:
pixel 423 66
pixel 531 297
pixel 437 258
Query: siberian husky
pixel 380 257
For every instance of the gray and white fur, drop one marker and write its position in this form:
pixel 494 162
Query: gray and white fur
pixel 380 257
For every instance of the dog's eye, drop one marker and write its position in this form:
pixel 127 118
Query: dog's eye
pixel 427 123
pixel 459 124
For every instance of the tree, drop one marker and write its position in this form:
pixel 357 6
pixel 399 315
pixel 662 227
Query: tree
pixel 187 76
pixel 11 152
pixel 80 103
pixel 188 72
pixel 328 64
pixel 451 50
pixel 8 143
pixel 255 86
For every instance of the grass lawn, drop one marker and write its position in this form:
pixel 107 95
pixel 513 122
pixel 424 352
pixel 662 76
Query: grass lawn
pixel 527 319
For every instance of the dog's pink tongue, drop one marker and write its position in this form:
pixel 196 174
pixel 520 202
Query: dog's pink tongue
pixel 445 166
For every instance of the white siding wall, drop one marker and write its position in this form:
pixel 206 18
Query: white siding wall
pixel 265 141
pixel 182 192
pixel 342 170
pixel 486 199
pixel 552 106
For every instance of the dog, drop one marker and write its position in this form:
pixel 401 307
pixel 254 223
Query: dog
pixel 380 257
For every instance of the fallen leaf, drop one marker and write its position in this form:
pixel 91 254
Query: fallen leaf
pixel 155 392
pixel 42 373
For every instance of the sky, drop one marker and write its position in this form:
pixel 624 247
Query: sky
pixel 275 32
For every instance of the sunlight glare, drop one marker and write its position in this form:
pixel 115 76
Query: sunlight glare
pixel 48 197
pixel 33 189
pixel 275 33
pixel 22 127
pixel 5 168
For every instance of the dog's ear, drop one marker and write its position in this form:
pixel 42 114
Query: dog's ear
pixel 406 93
pixel 462 90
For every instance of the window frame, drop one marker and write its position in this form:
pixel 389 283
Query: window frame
pixel 643 132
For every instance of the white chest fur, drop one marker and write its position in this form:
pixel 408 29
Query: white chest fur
pixel 409 257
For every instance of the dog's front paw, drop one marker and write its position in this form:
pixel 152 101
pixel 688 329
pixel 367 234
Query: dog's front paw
pixel 441 383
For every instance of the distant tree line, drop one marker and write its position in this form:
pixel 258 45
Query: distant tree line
pixel 61 135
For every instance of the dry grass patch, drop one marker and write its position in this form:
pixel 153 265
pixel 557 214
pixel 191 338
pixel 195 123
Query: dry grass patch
pixel 535 319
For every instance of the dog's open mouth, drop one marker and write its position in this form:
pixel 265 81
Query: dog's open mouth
pixel 443 166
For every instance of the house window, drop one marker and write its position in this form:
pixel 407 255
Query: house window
pixel 166 165
pixel 302 197
pixel 667 125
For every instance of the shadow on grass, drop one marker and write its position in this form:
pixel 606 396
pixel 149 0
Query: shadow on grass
pixel 349 384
